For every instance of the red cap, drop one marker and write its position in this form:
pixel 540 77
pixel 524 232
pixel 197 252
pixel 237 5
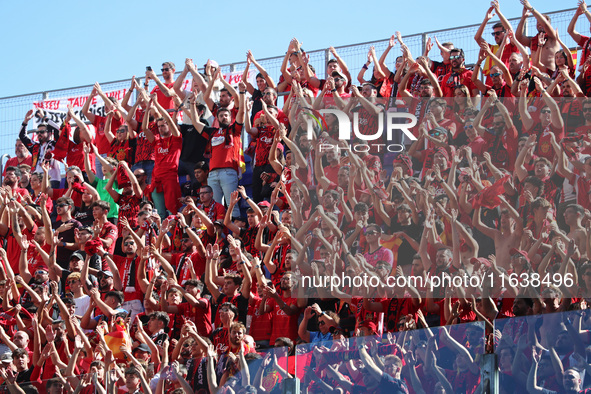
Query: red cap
pixel 479 261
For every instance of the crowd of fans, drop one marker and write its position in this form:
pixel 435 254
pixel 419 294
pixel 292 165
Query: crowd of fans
pixel 153 267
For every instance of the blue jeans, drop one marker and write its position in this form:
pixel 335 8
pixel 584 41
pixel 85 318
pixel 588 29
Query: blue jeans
pixel 224 181
pixel 147 166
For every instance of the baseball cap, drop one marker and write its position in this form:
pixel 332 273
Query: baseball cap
pixel 144 348
pixel 515 251
pixel 77 255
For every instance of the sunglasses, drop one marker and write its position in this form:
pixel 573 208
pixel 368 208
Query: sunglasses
pixel 321 323
pixel 455 57
pixel 128 243
pixel 40 272
pixel 586 109
pixel 165 69
pixel 545 111
pixel 495 74
pixel 121 131
pixel 497 33
pixel 435 134
pixel 41 132
pixel 468 127
pixel 62 205
pixel 371 232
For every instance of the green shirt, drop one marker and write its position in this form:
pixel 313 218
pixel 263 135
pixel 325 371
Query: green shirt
pixel 99 185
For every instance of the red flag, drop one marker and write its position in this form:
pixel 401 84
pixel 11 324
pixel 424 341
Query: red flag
pixel 489 196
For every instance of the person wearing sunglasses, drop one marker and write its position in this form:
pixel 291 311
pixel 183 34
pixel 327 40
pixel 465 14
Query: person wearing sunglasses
pixel 459 75
pixel 550 120
pixel 499 33
pixel 45 143
pixel 499 77
pixel 326 321
pixel 501 135
pixel 164 90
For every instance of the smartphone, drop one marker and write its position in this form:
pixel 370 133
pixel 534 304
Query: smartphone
pixel 148 68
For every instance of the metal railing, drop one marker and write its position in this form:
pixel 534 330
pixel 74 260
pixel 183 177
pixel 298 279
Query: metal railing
pixel 13 108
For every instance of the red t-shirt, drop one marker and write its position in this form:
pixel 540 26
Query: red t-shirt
pixel 225 146
pixel 165 102
pixel 260 326
pixel 101 141
pixel 200 316
pixel 283 324
pixel 76 154
pixel 453 79
pixel 13 162
pixel 215 211
pixel 281 117
pixel 167 154
pixel 544 146
pixel 109 231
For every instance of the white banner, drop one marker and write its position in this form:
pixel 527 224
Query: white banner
pixel 56 108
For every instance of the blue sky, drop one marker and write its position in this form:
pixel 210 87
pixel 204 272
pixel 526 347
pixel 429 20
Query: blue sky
pixel 52 45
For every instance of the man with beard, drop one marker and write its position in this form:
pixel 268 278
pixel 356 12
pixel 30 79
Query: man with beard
pixel 130 197
pixel 499 34
pixel 501 138
pixel 228 361
pixel 284 308
pixel 163 90
pixel 22 156
pixel 570 102
pixel 459 75
pixel 65 227
pixel 214 210
pixel 571 380
pixel 225 150
pixel 546 40
pixel 12 180
pixel 428 88
pixel 40 150
pixel 368 110
pixel 166 190
pixel 550 120
pixel 270 98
